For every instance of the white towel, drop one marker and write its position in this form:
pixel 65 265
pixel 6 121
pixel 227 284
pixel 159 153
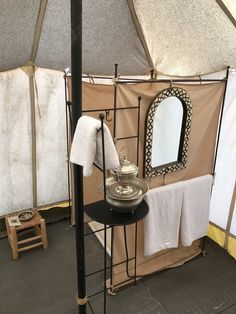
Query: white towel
pixel 195 212
pixel 161 226
pixel 87 146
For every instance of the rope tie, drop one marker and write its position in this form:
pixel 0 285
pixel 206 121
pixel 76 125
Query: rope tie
pixel 82 301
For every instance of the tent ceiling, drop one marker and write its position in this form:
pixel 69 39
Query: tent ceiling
pixel 195 37
pixel 183 37
pixel 109 37
pixel 106 38
pixel 17 27
pixel 54 44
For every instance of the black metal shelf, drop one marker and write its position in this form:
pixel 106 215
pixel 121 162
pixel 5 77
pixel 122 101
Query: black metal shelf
pixel 100 211
pixel 96 212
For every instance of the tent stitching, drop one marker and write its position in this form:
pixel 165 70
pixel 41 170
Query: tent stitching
pixel 140 32
pixel 230 217
pixel 226 11
pixel 33 132
pixel 38 29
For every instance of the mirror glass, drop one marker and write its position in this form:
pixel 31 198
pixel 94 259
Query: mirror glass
pixel 167 127
pixel 167 131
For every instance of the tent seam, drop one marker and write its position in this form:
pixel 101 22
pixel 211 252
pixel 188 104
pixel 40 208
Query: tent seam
pixel 230 217
pixel 139 31
pixel 38 29
pixel 226 11
pixel 33 134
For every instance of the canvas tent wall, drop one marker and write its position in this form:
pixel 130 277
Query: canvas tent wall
pixel 33 140
pixel 200 38
pixel 206 100
pixel 223 213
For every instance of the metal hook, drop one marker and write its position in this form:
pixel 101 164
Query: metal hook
pixel 122 148
pixel 151 74
pixel 200 78
pixel 91 79
pixel 171 83
pixel 107 115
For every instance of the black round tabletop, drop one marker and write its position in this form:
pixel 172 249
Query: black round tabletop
pixel 97 212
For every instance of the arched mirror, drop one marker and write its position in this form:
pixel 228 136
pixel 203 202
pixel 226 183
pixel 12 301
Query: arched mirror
pixel 167 132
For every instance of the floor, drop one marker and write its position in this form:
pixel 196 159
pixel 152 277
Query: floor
pixel 44 281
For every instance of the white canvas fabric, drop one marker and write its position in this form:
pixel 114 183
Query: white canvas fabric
pixel 15 139
pixel 50 138
pixel 225 176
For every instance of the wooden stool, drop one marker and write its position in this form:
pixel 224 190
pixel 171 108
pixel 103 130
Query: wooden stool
pixel 36 224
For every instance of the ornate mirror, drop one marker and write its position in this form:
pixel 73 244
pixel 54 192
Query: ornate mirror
pixel 168 125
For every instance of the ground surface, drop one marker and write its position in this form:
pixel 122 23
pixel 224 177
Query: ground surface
pixel 44 281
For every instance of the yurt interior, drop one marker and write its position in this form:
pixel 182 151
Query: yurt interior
pixel 117 156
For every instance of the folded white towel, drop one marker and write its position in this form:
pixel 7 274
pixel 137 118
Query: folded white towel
pixel 87 146
pixel 195 212
pixel 161 225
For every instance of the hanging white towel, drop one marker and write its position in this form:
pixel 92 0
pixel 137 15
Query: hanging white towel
pixel 86 146
pixel 161 226
pixel 195 212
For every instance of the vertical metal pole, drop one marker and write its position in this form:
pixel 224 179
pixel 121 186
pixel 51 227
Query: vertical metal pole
pixel 101 117
pixel 115 92
pixel 111 264
pixel 203 246
pixel 67 147
pixel 138 133
pixel 76 72
pixel 136 225
pixel 220 122
pixel 135 253
pixel 152 74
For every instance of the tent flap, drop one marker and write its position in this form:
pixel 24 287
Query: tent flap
pixel 15 148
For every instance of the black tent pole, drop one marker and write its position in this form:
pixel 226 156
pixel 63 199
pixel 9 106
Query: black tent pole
pixel 76 72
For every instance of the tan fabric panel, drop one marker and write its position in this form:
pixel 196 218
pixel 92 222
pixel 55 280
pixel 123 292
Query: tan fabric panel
pixel 206 100
pixel 146 265
pixel 95 96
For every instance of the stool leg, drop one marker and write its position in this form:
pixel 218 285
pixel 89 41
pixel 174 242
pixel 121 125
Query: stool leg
pixel 37 230
pixel 8 230
pixel 44 233
pixel 14 244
